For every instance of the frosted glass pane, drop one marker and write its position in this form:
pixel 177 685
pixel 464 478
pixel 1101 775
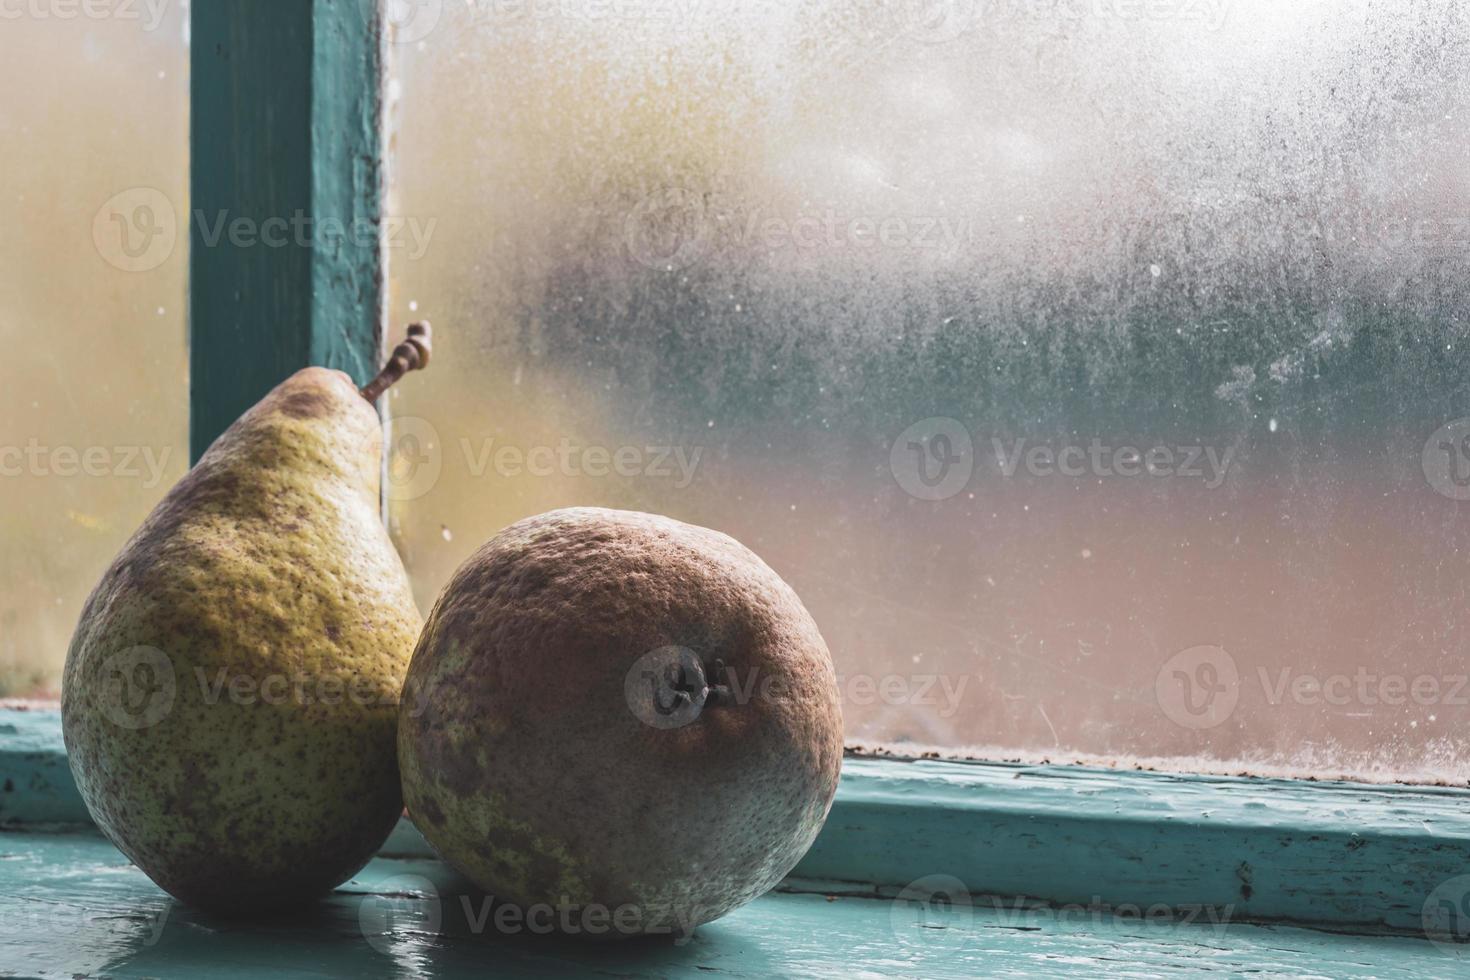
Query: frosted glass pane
pixel 1079 363
pixel 94 404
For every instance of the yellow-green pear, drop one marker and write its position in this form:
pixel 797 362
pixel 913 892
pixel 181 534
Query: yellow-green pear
pixel 231 694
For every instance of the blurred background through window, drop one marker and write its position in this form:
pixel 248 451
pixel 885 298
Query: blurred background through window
pixel 1092 369
pixel 1096 371
pixel 94 132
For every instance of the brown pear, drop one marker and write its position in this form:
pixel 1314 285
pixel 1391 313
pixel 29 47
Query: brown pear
pixel 620 717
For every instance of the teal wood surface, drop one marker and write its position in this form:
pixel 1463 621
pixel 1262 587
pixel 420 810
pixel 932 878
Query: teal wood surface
pixel 72 906
pixel 36 786
pixel 1345 856
pixel 285 186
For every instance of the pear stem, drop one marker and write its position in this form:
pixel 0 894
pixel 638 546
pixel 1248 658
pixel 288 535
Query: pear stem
pixel 411 355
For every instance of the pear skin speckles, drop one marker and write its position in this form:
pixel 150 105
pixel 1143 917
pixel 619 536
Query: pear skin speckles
pixel 530 758
pixel 230 698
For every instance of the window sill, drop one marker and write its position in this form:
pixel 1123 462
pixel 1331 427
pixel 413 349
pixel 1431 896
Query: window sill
pixel 1240 865
pixel 72 906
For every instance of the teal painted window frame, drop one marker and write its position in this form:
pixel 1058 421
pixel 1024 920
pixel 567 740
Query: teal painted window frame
pixel 286 122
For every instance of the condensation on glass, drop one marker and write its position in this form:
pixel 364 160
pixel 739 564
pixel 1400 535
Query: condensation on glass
pixel 94 405
pixel 1095 372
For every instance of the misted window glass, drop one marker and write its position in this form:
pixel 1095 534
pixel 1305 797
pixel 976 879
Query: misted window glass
pixel 1096 371
pixel 93 258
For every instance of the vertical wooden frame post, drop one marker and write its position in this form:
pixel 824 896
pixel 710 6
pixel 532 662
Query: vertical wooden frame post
pixel 286 195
